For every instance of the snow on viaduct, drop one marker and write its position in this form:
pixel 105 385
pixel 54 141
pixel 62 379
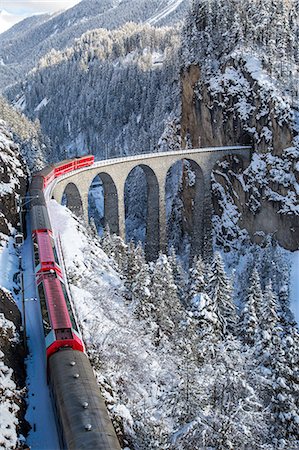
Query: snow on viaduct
pixel 114 173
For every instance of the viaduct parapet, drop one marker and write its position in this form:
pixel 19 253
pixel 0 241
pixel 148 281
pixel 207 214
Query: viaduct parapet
pixel 114 173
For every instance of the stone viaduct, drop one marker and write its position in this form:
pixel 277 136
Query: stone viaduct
pixel 114 172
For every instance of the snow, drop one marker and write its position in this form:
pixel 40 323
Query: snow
pixel 8 264
pixel 294 284
pixel 20 104
pixel 168 9
pixel 8 390
pixel 42 104
pixel 157 58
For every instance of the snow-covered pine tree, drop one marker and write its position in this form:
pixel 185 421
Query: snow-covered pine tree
pixel 269 316
pixel 134 261
pixel 285 389
pixel 179 275
pixel 287 317
pixel 209 321
pixel 115 248
pixel 168 309
pixel 141 294
pixel 229 414
pixel 106 241
pixel 249 322
pixel 197 283
pixel 220 291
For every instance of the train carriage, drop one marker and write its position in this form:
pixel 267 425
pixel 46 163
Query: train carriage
pixel 60 327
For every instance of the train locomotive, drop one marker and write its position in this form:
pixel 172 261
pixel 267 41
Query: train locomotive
pixel 81 413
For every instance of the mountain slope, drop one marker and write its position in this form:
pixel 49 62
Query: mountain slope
pixel 111 93
pixel 25 43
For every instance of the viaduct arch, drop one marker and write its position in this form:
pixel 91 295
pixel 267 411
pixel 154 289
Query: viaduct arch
pixel 114 173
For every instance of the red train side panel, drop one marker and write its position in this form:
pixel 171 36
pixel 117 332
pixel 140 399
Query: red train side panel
pixel 51 172
pixel 73 165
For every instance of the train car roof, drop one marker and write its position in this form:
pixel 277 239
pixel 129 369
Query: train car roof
pixel 72 377
pixel 57 308
pixel 39 218
pixel 45 248
pixel 45 171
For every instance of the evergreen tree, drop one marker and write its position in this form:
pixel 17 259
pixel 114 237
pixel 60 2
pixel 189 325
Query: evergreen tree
pixel 269 310
pixel 249 320
pixel 179 275
pixel 285 386
pixel 135 259
pixel 229 413
pixel 197 283
pixel 220 291
pixel 141 294
pixel 168 309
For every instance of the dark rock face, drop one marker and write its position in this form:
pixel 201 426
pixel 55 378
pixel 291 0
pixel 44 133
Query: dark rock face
pixel 14 355
pixel 13 180
pixel 265 194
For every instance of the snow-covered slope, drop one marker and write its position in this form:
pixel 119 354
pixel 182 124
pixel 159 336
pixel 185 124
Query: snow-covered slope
pixel 26 136
pixel 114 98
pixel 166 10
pixel 162 363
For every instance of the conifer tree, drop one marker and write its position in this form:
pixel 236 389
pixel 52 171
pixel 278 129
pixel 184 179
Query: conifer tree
pixel 134 261
pixel 285 386
pixel 197 283
pixel 168 309
pixel 269 310
pixel 249 320
pixel 141 294
pixel 220 291
pixel 179 275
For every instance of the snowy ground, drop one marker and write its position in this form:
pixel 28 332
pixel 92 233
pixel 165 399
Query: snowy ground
pixel 137 380
pixel 294 287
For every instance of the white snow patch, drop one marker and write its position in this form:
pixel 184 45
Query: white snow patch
pixel 171 6
pixel 42 104
pixel 294 284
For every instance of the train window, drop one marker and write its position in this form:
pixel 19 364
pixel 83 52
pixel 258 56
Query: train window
pixel 44 310
pixel 69 308
pixel 36 255
pixel 63 334
pixel 54 251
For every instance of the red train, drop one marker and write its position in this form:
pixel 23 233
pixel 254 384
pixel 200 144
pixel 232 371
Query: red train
pixel 82 418
pixel 60 327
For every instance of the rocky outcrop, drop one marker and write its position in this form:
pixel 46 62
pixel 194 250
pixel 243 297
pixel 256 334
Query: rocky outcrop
pixel 13 180
pixel 234 107
pixel 13 375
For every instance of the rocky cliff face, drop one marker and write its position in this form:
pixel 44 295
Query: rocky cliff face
pixel 13 180
pixel 234 91
pixel 13 376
